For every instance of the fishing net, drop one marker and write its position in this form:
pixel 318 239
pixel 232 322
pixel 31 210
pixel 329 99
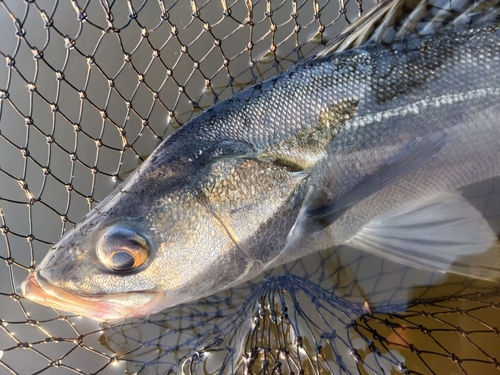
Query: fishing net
pixel 87 91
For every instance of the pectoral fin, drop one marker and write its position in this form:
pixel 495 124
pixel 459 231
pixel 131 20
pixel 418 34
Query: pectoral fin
pixel 413 156
pixel 444 233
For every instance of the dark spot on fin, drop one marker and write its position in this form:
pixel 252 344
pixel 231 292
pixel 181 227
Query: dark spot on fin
pixel 413 156
pixel 302 150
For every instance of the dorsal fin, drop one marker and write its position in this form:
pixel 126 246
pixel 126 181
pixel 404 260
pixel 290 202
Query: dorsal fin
pixel 391 20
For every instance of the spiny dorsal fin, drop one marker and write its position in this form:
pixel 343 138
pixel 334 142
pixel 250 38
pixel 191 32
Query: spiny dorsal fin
pixel 391 20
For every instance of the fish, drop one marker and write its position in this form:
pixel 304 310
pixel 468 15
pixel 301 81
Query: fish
pixel 365 144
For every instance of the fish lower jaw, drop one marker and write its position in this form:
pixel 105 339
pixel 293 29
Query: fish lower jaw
pixel 111 307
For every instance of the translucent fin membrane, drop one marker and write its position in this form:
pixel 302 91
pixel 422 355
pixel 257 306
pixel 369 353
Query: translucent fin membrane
pixel 392 20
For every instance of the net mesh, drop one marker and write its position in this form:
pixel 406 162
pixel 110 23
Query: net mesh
pixel 87 91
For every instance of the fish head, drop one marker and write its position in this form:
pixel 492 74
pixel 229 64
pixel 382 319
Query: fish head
pixel 177 229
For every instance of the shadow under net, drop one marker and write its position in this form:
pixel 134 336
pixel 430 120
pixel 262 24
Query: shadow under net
pixel 87 92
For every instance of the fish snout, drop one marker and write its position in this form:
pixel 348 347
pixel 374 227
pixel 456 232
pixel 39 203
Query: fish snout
pixel 111 307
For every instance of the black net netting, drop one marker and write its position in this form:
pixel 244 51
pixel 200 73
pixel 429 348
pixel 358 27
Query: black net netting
pixel 87 91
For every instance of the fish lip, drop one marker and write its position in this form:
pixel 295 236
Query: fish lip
pixel 38 289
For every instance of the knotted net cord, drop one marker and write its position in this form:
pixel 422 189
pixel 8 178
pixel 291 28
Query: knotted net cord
pixel 87 91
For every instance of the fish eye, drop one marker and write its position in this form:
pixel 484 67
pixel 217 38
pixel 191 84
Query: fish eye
pixel 122 249
pixel 121 260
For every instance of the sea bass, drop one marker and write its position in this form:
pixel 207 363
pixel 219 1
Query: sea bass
pixel 364 144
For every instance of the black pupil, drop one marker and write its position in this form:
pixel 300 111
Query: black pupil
pixel 121 260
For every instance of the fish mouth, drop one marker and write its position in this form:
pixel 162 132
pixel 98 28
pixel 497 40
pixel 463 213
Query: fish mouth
pixel 110 307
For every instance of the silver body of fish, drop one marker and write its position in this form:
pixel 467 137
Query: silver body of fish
pixel 363 146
